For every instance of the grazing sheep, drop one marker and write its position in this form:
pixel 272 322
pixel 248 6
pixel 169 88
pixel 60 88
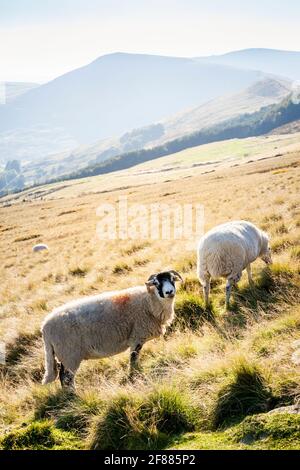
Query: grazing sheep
pixel 40 247
pixel 228 249
pixel 107 324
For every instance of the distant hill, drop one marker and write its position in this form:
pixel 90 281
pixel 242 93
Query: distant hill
pixel 118 92
pixel 262 93
pixel 246 125
pixel 282 63
pixel 126 102
pixel 9 91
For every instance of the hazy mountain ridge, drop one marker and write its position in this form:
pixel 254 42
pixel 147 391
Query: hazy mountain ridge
pixel 262 93
pixel 9 91
pixel 253 98
pixel 272 61
pixel 119 92
pixel 112 92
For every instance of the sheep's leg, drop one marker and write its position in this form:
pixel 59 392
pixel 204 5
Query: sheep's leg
pixel 134 358
pixel 249 275
pixel 232 280
pixel 229 284
pixel 206 290
pixel 66 378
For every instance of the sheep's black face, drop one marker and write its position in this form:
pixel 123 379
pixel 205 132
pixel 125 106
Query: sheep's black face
pixel 164 283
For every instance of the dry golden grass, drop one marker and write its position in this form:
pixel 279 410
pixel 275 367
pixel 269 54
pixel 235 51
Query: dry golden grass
pixel 197 362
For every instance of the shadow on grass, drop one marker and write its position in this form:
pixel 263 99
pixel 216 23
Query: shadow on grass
pixel 20 347
pixel 272 285
pixel 49 405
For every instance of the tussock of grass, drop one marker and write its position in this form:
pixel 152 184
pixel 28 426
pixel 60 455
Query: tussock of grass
pixel 282 228
pixel 39 436
pixel 245 393
pixel 190 311
pixel 120 428
pixel 190 285
pixel 280 244
pixel 134 248
pixel 49 404
pixel 130 423
pixel 141 262
pixel 79 271
pixel 66 212
pixel 295 253
pixel 122 268
pixel 27 237
pixel 39 304
pixel 278 275
pixel 272 218
pixel 77 415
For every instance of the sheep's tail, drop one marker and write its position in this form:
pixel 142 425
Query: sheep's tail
pixel 51 365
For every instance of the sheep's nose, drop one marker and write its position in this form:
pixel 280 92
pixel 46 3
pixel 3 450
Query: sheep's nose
pixel 170 293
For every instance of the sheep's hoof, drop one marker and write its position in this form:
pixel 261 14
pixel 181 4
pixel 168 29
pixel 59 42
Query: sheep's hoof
pixel 130 378
pixel 135 374
pixel 70 389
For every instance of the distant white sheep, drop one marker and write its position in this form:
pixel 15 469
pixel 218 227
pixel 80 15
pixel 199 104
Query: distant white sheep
pixel 40 247
pixel 228 249
pixel 107 324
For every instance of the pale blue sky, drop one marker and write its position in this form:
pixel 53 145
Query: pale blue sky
pixel 41 39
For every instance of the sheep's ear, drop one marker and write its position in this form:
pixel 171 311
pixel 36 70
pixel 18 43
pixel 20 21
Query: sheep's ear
pixel 176 276
pixel 152 281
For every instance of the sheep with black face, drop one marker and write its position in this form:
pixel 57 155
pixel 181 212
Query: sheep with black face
pixel 107 324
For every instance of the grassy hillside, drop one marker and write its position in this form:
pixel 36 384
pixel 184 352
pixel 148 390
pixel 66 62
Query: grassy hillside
pixel 230 152
pixel 211 382
pixel 246 125
pixel 203 159
pixel 262 93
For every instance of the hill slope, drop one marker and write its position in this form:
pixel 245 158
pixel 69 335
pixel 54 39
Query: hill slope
pixel 11 90
pixel 246 125
pixel 283 63
pixel 251 99
pixel 290 128
pixel 118 92
pixel 262 93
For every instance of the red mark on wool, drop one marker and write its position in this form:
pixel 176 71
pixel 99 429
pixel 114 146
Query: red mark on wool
pixel 121 299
